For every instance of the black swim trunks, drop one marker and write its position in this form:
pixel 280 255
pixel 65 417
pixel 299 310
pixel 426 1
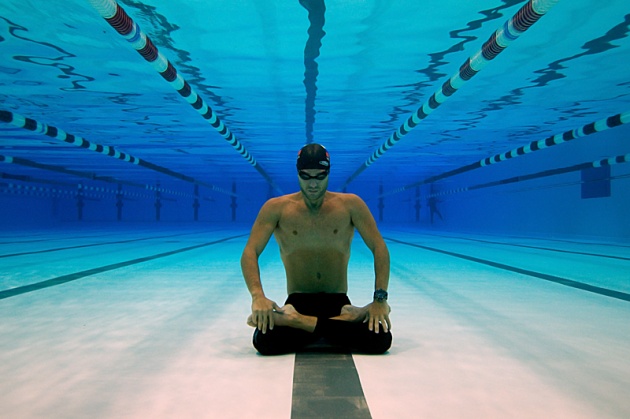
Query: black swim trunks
pixel 351 336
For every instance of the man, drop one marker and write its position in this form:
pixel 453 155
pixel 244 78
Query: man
pixel 314 229
pixel 434 209
pixel 433 201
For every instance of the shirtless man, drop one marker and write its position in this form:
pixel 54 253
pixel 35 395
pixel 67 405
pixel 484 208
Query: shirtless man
pixel 314 229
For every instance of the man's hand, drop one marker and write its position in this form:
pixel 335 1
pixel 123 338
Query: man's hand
pixel 262 313
pixel 378 313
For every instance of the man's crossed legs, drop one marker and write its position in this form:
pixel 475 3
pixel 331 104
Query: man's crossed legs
pixel 308 318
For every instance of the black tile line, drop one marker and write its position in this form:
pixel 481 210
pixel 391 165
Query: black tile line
pixel 551 278
pixel 536 247
pixel 583 243
pixel 53 236
pixel 327 385
pixel 78 275
pixel 80 246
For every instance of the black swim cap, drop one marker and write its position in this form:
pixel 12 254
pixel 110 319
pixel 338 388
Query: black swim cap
pixel 313 156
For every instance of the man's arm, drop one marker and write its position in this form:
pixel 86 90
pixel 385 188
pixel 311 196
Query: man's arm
pixel 378 311
pixel 262 307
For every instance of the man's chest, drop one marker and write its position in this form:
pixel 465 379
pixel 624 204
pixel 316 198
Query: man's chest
pixel 327 227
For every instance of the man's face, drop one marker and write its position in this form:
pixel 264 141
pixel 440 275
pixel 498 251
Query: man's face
pixel 313 182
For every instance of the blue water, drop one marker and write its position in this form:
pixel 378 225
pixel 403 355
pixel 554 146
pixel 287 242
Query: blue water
pixel 345 74
pixel 124 211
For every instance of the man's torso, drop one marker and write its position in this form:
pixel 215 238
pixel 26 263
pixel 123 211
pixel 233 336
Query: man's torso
pixel 315 246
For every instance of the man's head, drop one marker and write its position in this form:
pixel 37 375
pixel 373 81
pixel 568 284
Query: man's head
pixel 313 156
pixel 313 166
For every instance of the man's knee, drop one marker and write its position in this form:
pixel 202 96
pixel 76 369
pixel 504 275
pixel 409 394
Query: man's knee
pixel 381 343
pixel 264 344
pixel 279 341
pixel 374 343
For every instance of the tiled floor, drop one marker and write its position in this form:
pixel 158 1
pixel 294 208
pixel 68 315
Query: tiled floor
pixel 150 323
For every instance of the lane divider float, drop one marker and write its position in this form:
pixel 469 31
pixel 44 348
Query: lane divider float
pixel 529 14
pixel 21 121
pixel 610 161
pixel 130 31
pixel 588 129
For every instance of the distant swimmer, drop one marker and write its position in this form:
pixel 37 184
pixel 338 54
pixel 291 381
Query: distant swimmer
pixel 434 209
pixel 314 230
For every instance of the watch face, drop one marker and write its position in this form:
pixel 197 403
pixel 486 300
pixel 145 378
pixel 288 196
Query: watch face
pixel 380 295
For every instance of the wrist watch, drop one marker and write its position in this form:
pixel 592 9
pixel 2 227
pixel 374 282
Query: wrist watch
pixel 380 295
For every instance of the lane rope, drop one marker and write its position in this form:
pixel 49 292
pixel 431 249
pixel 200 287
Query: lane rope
pixel 529 14
pixel 131 32
pixel 610 161
pixel 59 134
pixel 586 130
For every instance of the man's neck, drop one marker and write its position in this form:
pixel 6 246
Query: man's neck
pixel 313 205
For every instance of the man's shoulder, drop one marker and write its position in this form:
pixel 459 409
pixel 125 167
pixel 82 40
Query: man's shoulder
pixel 280 201
pixel 346 198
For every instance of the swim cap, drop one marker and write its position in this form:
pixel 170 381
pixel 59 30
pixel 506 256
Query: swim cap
pixel 313 156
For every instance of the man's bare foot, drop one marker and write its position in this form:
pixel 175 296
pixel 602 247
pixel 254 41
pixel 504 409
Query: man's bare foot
pixel 350 313
pixel 286 316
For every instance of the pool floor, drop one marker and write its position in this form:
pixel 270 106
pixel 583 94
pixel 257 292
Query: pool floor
pixel 149 322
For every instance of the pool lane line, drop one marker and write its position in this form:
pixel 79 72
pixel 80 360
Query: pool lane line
pixel 535 247
pixel 551 278
pixel 81 246
pixel 53 235
pixel 327 385
pixel 615 245
pixel 48 236
pixel 550 249
pixel 78 275
pixel 583 243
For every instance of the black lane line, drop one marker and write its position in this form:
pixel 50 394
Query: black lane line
pixel 78 275
pixel 562 281
pixel 535 247
pixel 48 238
pixel 327 385
pixel 80 246
pixel 583 243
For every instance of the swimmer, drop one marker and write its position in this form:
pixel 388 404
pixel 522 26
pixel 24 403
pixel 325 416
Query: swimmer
pixel 314 229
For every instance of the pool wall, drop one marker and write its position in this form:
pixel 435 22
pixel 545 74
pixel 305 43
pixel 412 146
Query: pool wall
pixel 548 205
